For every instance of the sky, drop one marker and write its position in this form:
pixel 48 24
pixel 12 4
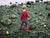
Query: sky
pixel 6 2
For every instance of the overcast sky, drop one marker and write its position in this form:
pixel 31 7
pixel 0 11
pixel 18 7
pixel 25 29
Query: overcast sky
pixel 6 2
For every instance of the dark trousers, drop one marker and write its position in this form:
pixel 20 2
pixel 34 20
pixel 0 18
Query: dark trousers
pixel 26 23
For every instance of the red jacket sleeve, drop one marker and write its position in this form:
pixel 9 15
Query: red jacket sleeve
pixel 21 15
pixel 28 15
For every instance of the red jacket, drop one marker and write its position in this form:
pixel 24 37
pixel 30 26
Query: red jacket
pixel 24 15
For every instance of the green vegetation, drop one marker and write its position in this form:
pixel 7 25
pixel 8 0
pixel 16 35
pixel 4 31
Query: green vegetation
pixel 39 25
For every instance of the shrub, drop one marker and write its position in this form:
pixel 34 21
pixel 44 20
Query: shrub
pixel 48 3
pixel 32 26
pixel 28 3
pixel 6 21
pixel 37 0
pixel 10 2
pixel 48 7
pixel 12 6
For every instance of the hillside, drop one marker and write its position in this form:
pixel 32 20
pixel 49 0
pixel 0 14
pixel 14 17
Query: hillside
pixel 39 24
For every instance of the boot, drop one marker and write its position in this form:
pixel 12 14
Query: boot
pixel 27 29
pixel 20 27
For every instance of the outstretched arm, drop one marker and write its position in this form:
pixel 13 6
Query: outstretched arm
pixel 28 15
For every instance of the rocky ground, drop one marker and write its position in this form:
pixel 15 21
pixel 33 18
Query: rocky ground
pixel 39 24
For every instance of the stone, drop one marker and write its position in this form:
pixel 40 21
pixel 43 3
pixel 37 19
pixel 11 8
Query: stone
pixel 14 16
pixel 7 32
pixel 44 25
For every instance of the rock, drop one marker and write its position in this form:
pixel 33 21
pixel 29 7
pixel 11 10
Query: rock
pixel 28 6
pixel 7 15
pixel 14 16
pixel 37 21
pixel 9 20
pixel 0 28
pixel 7 32
pixel 44 25
pixel 40 14
pixel 48 7
pixel 6 22
pixel 32 27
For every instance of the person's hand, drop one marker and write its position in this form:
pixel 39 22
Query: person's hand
pixel 29 18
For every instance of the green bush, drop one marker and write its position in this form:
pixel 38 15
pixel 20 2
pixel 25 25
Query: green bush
pixel 32 26
pixel 48 7
pixel 6 21
pixel 12 6
pixel 49 3
pixel 29 3
pixel 37 0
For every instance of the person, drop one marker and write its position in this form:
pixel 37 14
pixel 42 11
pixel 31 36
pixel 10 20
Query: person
pixel 23 17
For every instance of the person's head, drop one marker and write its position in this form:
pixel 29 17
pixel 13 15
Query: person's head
pixel 24 7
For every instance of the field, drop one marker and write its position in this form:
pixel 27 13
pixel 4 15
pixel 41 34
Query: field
pixel 39 24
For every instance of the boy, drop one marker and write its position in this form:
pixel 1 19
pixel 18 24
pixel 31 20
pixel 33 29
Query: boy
pixel 23 17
